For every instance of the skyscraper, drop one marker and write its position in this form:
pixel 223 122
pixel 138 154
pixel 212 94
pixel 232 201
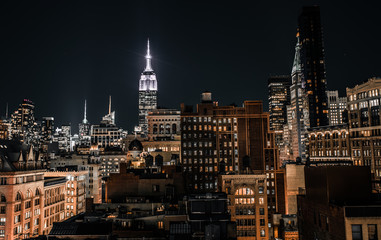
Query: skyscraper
pixel 147 93
pixel 84 128
pixel 23 120
pixel 313 65
pixel 279 98
pixel 299 110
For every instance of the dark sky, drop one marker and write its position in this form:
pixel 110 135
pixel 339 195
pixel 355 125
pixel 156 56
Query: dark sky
pixel 58 53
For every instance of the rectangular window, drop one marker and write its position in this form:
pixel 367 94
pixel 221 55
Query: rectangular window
pixel 372 232
pixel 357 232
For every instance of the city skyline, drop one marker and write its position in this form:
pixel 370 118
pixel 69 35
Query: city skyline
pixel 63 63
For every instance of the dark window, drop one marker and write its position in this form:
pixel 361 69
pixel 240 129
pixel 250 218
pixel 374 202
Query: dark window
pixel 356 232
pixel 372 232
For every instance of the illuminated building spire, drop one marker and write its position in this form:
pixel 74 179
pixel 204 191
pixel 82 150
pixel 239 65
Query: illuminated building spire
pixel 85 115
pixel 148 59
pixel 109 106
pixel 297 66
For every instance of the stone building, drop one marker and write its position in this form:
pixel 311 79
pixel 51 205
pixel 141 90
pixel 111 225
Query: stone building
pixel 247 194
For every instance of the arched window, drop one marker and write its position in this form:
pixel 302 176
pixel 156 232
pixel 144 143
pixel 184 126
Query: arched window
pixel 3 199
pixel 28 194
pixel 174 128
pixel 161 129
pixel 37 192
pixel 155 129
pixel 167 129
pixel 18 196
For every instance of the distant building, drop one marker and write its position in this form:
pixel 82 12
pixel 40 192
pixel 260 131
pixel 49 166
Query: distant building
pixel 163 124
pixel 147 93
pixel 106 134
pixel 336 107
pixel 63 137
pixel 47 129
pixel 84 129
pixel 22 121
pixel 247 194
pixel 279 98
pixel 313 65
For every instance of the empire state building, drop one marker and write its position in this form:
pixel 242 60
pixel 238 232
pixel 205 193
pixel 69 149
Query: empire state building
pixel 147 93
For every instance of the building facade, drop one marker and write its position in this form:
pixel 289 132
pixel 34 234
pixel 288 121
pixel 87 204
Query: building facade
pixel 365 126
pixel 247 204
pixel 313 64
pixel 147 93
pixel 336 107
pixel 279 98
pixel 330 145
pixel 163 124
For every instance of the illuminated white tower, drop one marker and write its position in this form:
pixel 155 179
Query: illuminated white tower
pixel 147 93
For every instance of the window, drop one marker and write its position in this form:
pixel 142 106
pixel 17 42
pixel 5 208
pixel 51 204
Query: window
pixel 2 233
pixel 160 225
pixel 356 232
pixel 18 196
pixel 155 188
pixel 262 211
pixel 2 221
pixel 2 210
pixel 372 232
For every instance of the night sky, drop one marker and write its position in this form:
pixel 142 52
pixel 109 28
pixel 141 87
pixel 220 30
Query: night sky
pixel 59 53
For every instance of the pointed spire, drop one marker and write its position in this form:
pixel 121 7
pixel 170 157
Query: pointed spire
pixel 85 114
pixel 148 59
pixel 109 106
pixel 297 66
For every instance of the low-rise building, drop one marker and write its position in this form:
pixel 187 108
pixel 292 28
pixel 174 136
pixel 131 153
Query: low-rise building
pixel 247 194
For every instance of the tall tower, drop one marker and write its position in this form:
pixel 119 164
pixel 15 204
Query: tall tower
pixel 313 64
pixel 147 92
pixel 298 108
pixel 84 127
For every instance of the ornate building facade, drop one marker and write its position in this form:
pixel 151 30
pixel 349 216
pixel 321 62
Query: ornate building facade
pixel 147 93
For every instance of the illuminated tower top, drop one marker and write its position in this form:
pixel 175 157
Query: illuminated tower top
pixel 148 59
pixel 148 80
pixel 84 121
pixel 297 66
